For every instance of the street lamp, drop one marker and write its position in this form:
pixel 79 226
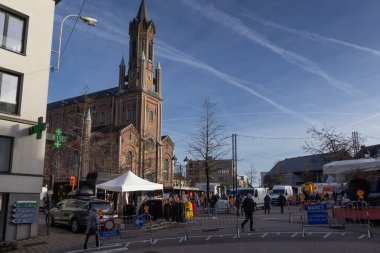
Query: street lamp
pixel 88 20
pixel 180 171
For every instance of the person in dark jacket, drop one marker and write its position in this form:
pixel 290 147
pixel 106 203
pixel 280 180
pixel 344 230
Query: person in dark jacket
pixel 267 203
pixel 213 201
pixel 92 227
pixel 248 205
pixel 282 202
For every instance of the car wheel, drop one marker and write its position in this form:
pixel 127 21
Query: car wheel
pixel 75 226
pixel 50 220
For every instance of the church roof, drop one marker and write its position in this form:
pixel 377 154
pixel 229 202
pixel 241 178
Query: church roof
pixel 143 12
pixel 301 164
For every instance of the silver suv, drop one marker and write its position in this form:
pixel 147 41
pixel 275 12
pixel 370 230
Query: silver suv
pixel 74 212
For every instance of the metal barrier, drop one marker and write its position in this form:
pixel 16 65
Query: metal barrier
pixel 350 215
pixel 212 220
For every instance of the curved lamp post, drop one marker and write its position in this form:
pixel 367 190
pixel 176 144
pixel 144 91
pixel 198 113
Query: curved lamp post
pixel 180 172
pixel 88 20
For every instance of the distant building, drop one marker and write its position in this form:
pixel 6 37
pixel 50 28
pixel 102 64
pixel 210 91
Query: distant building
pixel 297 170
pixel 220 171
pixel 25 44
pixel 242 182
pixel 116 129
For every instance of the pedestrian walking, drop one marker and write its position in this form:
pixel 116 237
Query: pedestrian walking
pixel 92 227
pixel 282 202
pixel 267 203
pixel 248 205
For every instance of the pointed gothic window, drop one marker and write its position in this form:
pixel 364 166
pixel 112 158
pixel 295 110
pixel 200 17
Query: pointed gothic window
pixel 75 163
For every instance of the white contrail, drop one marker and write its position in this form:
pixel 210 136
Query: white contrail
pixel 237 26
pixel 310 35
pixel 171 53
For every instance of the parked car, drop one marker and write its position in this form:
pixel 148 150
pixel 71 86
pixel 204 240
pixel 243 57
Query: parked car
pixel 74 212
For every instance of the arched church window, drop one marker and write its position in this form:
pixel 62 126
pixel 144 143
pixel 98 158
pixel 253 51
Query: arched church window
pixel 151 116
pixel 128 160
pixel 102 118
pixel 166 169
pixel 129 114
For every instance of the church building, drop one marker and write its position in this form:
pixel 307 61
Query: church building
pixel 117 129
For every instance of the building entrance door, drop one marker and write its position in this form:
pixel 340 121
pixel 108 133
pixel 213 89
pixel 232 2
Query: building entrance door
pixel 3 211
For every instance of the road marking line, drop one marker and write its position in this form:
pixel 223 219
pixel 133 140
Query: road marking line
pixel 154 241
pixel 327 235
pixel 209 237
pixel 264 235
pixel 361 237
pixel 294 235
pixel 181 239
pixel 344 233
pixel 127 244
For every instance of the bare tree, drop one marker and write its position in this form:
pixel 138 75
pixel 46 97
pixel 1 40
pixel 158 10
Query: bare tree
pixel 208 142
pixel 252 175
pixel 328 140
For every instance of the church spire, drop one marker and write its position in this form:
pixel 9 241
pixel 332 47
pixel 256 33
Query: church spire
pixel 143 12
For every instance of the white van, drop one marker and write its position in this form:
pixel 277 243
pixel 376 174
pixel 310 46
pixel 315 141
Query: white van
pixel 257 193
pixel 286 190
pixel 258 197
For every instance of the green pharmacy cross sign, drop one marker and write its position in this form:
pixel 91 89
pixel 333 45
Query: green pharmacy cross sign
pixel 58 138
pixel 39 128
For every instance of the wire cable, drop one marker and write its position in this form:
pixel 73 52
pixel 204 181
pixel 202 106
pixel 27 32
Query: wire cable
pixel 72 30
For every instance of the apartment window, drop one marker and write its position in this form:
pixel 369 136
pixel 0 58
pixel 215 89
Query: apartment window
pixel 9 92
pixel 6 146
pixel 12 31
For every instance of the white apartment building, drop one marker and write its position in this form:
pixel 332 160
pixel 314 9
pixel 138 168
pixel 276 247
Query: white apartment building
pixel 26 28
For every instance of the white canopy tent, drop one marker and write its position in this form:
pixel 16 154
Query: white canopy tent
pixel 129 182
pixel 362 165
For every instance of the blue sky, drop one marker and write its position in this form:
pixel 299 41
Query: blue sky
pixel 273 68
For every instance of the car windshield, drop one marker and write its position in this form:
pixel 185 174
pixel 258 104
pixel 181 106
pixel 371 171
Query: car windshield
pixel 105 206
pixel 278 191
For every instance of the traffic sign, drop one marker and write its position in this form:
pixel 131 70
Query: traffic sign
pixel 24 215
pixel 26 204
pixel 23 220
pixel 24 210
pixel 138 221
pixel 112 233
